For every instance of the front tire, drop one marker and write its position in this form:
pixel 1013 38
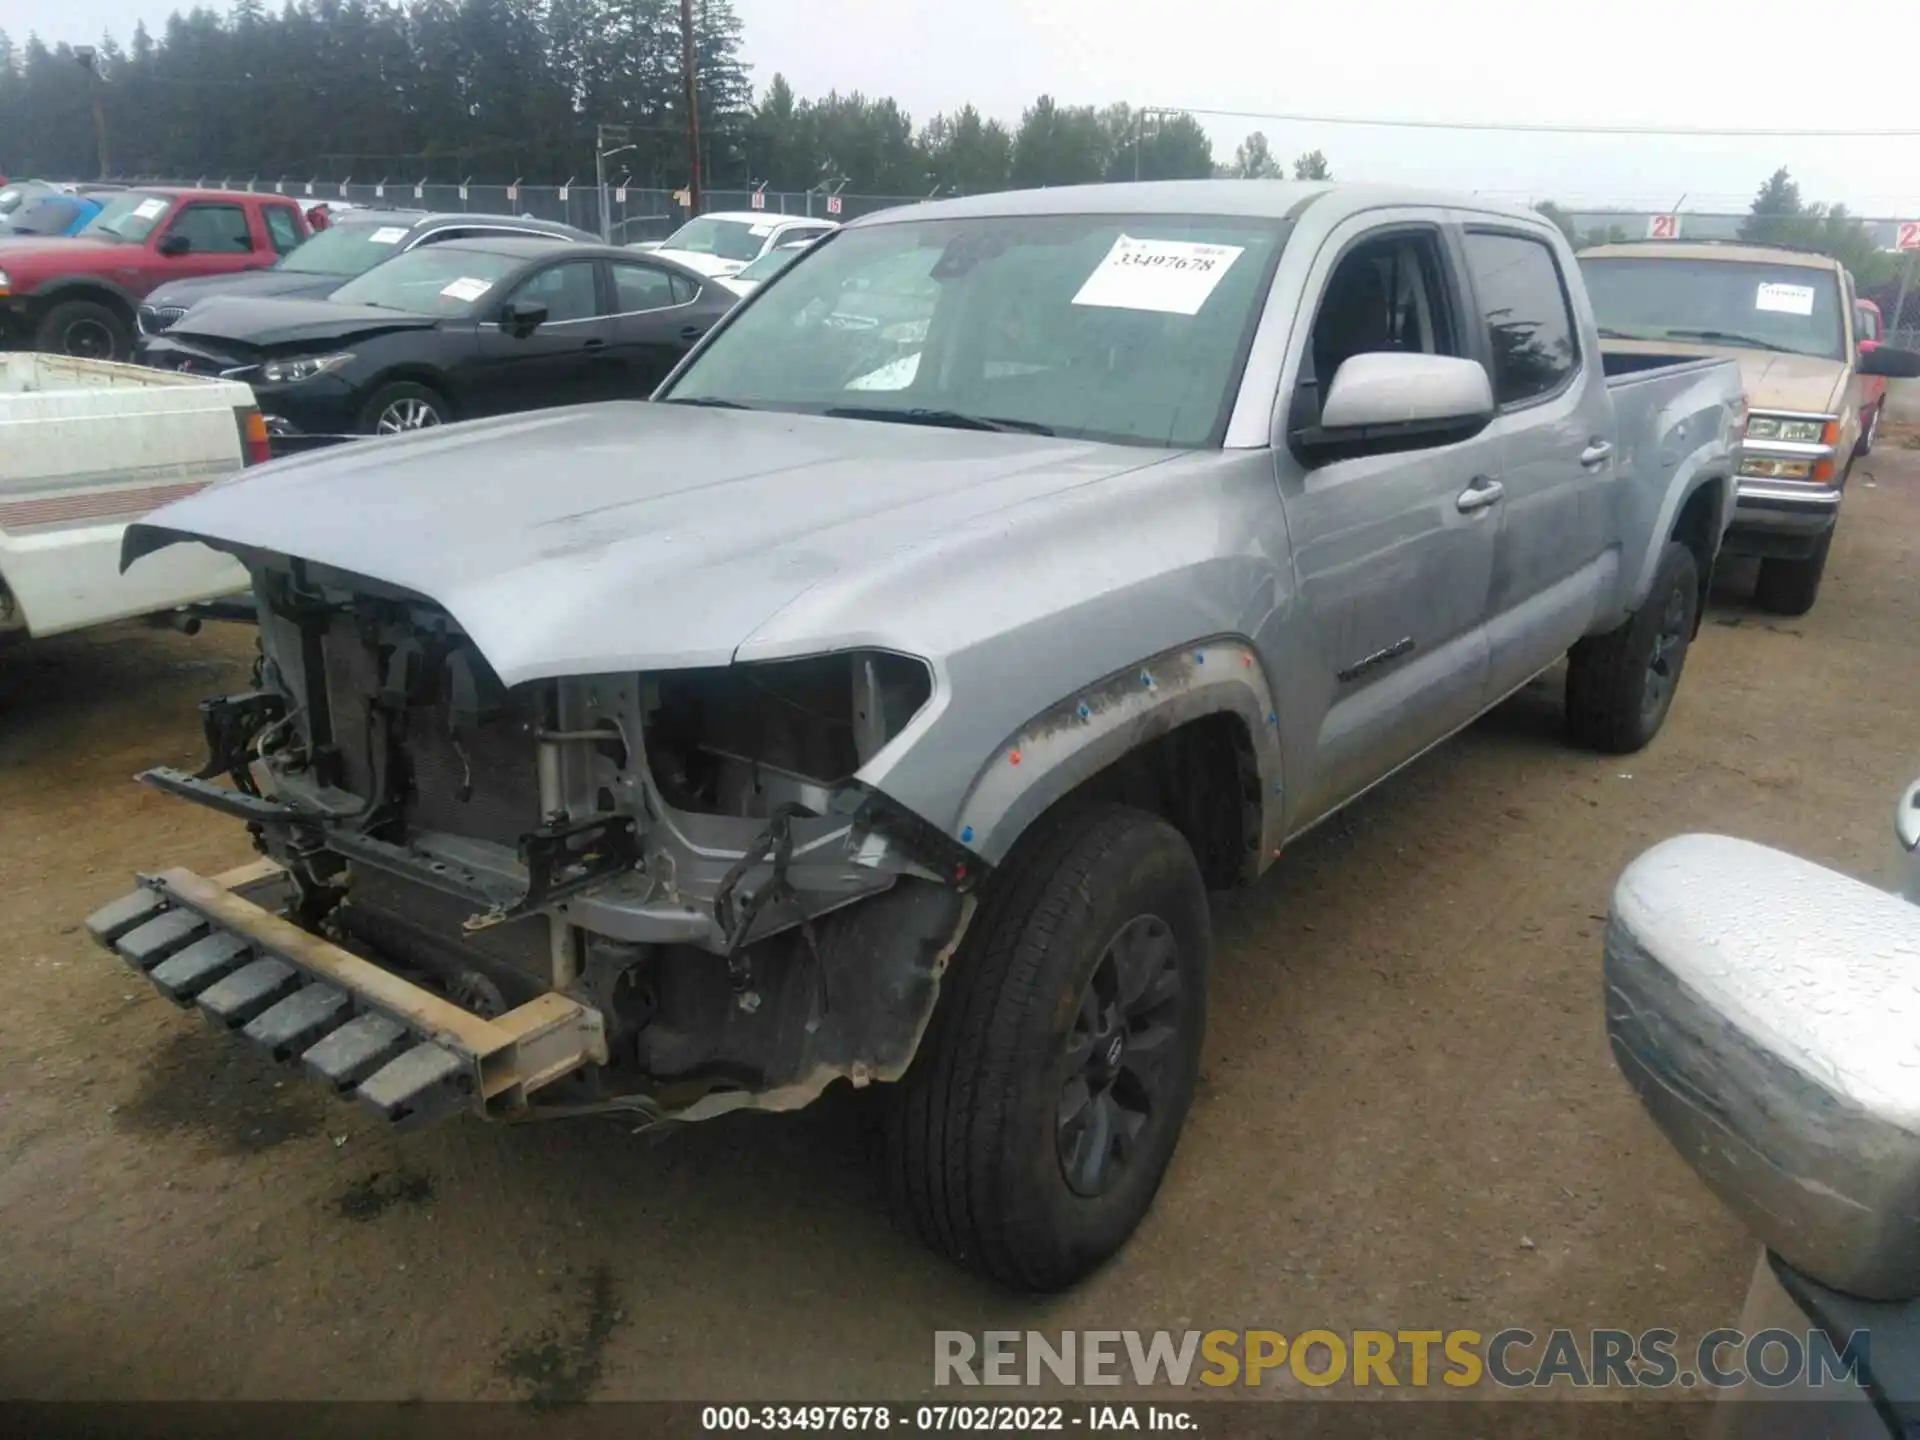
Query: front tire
pixel 84 329
pixel 1789 587
pixel 403 406
pixel 1621 685
pixel 1864 446
pixel 1032 1132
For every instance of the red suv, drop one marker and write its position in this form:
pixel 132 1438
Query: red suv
pixel 78 296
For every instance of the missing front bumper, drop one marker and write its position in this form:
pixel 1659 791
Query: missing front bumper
pixel 396 1046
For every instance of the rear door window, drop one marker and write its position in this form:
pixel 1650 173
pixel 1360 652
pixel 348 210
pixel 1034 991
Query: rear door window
pixel 1523 300
pixel 640 287
pixel 282 229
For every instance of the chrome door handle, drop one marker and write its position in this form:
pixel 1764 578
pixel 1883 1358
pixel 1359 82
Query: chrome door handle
pixel 1596 452
pixel 1480 494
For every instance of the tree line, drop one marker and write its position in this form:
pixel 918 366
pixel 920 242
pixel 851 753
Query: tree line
pixel 1778 215
pixel 498 90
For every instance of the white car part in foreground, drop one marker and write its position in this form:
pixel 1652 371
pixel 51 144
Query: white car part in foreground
pixel 86 447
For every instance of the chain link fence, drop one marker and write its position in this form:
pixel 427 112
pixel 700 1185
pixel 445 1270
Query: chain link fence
pixel 632 213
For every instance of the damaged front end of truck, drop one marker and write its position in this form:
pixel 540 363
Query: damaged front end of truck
pixel 669 894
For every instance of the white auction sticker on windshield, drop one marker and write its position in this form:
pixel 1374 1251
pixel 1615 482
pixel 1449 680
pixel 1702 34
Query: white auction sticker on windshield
pixel 466 288
pixel 388 235
pixel 761 230
pixel 1785 299
pixel 149 209
pixel 1171 276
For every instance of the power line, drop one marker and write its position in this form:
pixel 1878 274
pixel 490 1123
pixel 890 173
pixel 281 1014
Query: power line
pixel 1542 128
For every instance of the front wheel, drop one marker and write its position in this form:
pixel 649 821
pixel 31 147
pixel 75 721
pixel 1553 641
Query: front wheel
pixel 1869 433
pixel 85 329
pixel 1032 1132
pixel 1620 685
pixel 402 406
pixel 1789 587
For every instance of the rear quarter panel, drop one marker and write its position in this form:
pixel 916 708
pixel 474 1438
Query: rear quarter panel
pixel 1675 434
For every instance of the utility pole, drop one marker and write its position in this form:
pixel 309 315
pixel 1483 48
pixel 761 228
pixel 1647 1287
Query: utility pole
pixel 89 59
pixel 695 200
pixel 601 154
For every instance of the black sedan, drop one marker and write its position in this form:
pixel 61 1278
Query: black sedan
pixel 450 332
pixel 353 244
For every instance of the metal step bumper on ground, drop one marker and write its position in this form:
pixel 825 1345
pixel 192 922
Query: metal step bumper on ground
pixel 404 1050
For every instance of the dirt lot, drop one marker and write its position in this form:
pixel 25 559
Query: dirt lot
pixel 1408 1116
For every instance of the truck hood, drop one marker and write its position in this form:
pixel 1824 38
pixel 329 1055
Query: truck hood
pixel 629 536
pixel 1772 380
pixel 708 265
pixel 253 283
pixel 33 258
pixel 265 322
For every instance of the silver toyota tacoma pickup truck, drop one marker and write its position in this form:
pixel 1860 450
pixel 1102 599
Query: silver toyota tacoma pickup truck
pixel 882 701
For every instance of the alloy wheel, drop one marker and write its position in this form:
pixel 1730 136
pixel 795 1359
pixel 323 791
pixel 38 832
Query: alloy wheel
pixel 1669 652
pixel 408 413
pixel 1121 1054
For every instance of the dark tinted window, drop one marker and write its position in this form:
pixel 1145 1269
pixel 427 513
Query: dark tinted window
pixel 280 226
pixel 640 287
pixel 566 290
pixel 1385 295
pixel 214 229
pixel 1525 305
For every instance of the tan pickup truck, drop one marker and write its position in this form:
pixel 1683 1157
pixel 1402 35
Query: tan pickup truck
pixel 1788 317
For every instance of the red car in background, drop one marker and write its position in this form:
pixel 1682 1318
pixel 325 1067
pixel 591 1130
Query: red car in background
pixel 1869 329
pixel 78 296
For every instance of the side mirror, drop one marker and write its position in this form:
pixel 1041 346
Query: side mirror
pixel 171 245
pixel 1892 363
pixel 1396 401
pixel 521 318
pixel 1764 1007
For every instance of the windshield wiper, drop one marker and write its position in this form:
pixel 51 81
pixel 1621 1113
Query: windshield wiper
pixel 951 419
pixel 713 401
pixel 1729 337
pixel 1607 332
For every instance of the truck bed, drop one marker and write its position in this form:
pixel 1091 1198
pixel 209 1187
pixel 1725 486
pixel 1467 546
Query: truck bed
pixel 89 446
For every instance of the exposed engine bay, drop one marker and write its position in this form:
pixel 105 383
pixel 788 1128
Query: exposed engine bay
pixel 691 854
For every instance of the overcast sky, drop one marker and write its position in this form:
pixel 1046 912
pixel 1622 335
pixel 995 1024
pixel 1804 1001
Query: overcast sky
pixel 1751 64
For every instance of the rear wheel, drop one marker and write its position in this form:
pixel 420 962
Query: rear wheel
pixel 85 329
pixel 403 405
pixel 1789 587
pixel 1620 685
pixel 1032 1132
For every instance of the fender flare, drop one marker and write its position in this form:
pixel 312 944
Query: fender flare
pixel 1081 735
pixel 81 287
pixel 1687 483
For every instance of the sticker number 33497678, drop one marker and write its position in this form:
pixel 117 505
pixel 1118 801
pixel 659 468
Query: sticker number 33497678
pixel 1174 277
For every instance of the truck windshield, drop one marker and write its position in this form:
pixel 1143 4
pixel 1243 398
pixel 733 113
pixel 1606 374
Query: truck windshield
pixel 1123 328
pixel 722 239
pixel 1792 308
pixel 129 217
pixel 345 249
pixel 433 280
